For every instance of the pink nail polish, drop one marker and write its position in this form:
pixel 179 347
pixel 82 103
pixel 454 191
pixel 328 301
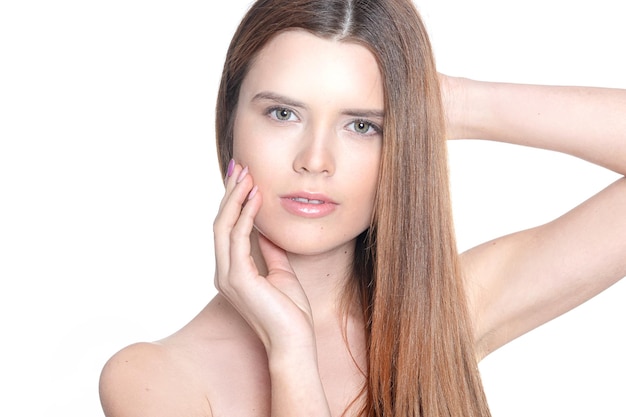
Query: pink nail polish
pixel 242 175
pixel 253 192
pixel 231 168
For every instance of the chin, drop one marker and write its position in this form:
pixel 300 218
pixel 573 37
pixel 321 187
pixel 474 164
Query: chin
pixel 305 243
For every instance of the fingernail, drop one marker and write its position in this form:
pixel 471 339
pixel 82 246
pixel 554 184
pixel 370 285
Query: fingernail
pixel 242 175
pixel 253 192
pixel 231 168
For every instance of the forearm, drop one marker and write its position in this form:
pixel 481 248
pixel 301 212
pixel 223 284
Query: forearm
pixel 296 386
pixel 589 123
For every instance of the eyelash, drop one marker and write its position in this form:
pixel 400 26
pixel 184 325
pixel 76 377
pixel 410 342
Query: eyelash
pixel 373 126
pixel 272 112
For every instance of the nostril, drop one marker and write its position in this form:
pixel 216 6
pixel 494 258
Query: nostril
pixel 315 156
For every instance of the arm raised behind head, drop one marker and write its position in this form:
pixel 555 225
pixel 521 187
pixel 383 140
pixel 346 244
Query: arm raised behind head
pixel 586 122
pixel 520 281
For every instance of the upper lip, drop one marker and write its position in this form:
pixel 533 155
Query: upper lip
pixel 309 196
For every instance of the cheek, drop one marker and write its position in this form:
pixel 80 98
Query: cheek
pixel 368 192
pixel 252 146
pixel 247 153
pixel 362 185
pixel 369 187
pixel 365 174
pixel 263 161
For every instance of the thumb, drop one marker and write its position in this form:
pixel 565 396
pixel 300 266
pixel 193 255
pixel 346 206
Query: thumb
pixel 275 257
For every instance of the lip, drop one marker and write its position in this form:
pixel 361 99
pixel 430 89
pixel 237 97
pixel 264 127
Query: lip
pixel 308 205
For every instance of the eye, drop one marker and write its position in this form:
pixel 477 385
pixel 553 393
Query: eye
pixel 363 127
pixel 281 113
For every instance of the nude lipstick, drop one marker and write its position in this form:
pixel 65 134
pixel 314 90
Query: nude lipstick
pixel 308 205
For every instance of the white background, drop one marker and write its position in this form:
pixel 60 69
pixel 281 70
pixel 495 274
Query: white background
pixel 109 186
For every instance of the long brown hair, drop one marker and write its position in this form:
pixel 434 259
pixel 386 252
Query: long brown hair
pixel 406 279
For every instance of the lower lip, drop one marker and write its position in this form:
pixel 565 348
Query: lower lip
pixel 308 210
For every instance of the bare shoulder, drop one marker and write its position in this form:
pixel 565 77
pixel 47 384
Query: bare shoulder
pixel 212 366
pixel 150 379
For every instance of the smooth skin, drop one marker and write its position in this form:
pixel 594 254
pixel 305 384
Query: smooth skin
pixel 275 319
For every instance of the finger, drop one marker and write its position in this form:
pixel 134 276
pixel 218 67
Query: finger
pixel 240 246
pixel 243 270
pixel 226 219
pixel 231 180
pixel 234 201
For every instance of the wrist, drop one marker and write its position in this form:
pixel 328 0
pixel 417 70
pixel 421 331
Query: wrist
pixel 292 357
pixel 296 383
pixel 453 98
pixel 466 106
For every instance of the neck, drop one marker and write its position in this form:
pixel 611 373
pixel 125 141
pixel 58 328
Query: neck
pixel 322 276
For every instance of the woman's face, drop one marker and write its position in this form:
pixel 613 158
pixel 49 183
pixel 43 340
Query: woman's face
pixel 309 127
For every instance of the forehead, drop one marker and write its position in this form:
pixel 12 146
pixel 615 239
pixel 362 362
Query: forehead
pixel 300 64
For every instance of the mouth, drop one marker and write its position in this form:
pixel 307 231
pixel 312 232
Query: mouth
pixel 306 197
pixel 307 200
pixel 309 205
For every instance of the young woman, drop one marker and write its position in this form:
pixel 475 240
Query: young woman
pixel 340 289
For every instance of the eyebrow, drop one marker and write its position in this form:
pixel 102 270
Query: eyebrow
pixel 266 95
pixel 280 99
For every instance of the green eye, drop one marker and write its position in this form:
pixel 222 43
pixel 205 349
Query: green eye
pixel 282 114
pixel 363 127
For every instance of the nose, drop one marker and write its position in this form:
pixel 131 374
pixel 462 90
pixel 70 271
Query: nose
pixel 315 154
